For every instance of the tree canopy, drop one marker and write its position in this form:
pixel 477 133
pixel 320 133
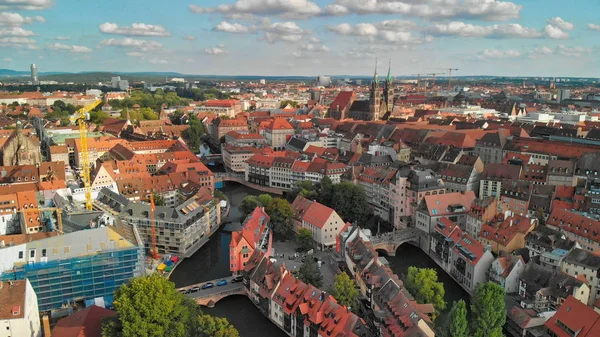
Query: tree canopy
pixel 193 134
pixel 150 306
pixel 291 103
pixel 145 99
pixel 309 273
pixel 203 94
pixel 344 291
pixel 209 326
pixel 488 310
pixel 457 324
pixel 304 240
pixel 423 284
pixel 279 210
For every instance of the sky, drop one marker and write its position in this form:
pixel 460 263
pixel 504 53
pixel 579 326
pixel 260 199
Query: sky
pixel 304 37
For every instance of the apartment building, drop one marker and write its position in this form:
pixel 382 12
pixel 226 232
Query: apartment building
pixel 460 178
pixel 19 315
pixel 494 175
pixel 506 272
pixel 508 235
pixel 577 227
pixel 254 234
pixel 236 138
pixel 574 318
pixel 470 262
pixel 455 206
pixel 489 147
pixel 481 211
pixel 323 222
pixel 92 264
pixel 180 230
pixel 235 157
pixel 580 263
pixel 278 132
pixel 443 237
pixel 561 172
pixel 421 183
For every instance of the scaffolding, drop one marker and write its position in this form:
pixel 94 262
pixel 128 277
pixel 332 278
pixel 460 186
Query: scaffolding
pixel 85 278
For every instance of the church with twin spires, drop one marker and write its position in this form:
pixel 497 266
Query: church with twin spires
pixel 380 102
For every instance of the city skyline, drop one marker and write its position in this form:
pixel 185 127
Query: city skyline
pixel 304 38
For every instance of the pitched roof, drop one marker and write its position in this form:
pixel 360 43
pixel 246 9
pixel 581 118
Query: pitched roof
pixel 317 215
pixel 12 299
pixel 341 100
pixel 280 124
pixel 84 323
pixel 577 317
pixel 441 204
pixel 575 223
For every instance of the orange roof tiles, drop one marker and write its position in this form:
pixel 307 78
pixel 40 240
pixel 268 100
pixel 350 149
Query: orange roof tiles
pixel 575 223
pixel 576 316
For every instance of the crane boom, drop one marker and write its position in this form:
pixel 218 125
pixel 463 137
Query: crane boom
pixel 154 251
pixel 80 117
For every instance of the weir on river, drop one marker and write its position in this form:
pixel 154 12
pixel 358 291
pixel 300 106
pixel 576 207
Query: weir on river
pixel 212 262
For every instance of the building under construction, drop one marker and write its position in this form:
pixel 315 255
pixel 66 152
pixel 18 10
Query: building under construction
pixel 179 230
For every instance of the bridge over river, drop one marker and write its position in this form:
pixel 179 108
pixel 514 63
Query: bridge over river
pixel 239 178
pixel 389 242
pixel 209 297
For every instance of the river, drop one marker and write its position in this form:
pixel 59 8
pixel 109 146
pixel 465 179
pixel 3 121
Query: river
pixel 212 262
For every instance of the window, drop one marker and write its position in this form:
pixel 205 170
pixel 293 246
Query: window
pixel 44 252
pixel 32 253
pixel 20 254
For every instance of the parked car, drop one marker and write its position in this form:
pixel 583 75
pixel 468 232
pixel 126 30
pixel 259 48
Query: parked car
pixel 222 283
pixel 237 279
pixel 208 285
pixel 194 289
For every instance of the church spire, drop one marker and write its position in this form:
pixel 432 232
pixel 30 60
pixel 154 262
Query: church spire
pixel 375 81
pixel 389 75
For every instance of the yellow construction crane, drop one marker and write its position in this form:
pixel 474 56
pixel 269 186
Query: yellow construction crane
pixel 42 209
pixel 80 117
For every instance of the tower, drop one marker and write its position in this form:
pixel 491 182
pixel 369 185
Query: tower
pixel 389 90
pixel 34 74
pixel 375 97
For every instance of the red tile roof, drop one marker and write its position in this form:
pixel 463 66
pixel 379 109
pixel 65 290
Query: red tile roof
pixel 280 124
pixel 341 100
pixel 437 205
pixel 252 229
pixel 504 232
pixel 473 246
pixel 84 323
pixel 575 223
pixel 317 215
pixel 577 316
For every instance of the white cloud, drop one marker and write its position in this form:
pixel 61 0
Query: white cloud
pixel 142 45
pixel 136 29
pixel 158 61
pixel 573 51
pixel 540 52
pixel 314 48
pixel 235 28
pixel 498 54
pixel 135 54
pixel 40 19
pixel 480 9
pixel 219 50
pixel 15 31
pixel 69 48
pixel 7 59
pixel 17 42
pixel 391 31
pixel 284 8
pixel 282 31
pixel 189 38
pixel 560 23
pixel 555 33
pixel 16 19
pixel 25 4
pixel 457 28
pixel 62 38
pixel 594 26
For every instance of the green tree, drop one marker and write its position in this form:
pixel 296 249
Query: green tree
pixel 304 240
pixel 150 306
pixel 423 284
pixel 249 203
pixel 344 291
pixel 265 199
pixel 209 326
pixel 457 324
pixel 159 200
pixel 282 215
pixel 488 310
pixel 325 191
pixel 350 202
pixel 193 133
pixel 309 273
pixel 220 195
pixel 285 103
pixel 98 117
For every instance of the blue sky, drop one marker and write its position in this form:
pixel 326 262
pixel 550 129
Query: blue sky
pixel 303 37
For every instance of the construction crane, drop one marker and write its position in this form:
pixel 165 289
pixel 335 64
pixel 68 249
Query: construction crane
pixel 450 77
pixel 42 209
pixel 154 250
pixel 80 117
pixel 434 75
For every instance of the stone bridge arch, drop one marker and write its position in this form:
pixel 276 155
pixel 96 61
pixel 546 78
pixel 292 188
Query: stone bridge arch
pixel 390 242
pixel 210 300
